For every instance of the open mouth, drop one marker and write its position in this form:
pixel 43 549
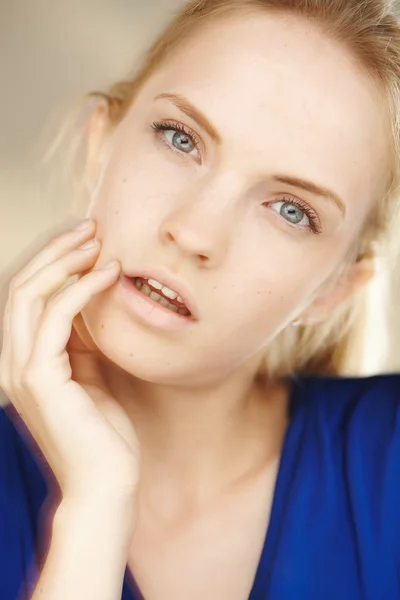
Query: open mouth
pixel 159 293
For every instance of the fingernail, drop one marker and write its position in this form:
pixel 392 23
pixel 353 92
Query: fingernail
pixel 83 224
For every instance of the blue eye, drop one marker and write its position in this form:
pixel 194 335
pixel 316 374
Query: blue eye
pixel 182 140
pixel 292 213
pixel 296 212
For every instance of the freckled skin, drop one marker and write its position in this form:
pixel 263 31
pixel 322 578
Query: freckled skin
pixel 285 100
pixel 160 205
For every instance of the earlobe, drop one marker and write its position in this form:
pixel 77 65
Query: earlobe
pixel 352 280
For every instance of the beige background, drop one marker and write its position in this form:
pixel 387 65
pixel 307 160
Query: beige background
pixel 51 52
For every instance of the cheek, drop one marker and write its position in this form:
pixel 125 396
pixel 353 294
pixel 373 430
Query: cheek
pixel 268 305
pixel 262 304
pixel 132 199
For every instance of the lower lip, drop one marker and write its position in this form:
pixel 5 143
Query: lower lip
pixel 150 312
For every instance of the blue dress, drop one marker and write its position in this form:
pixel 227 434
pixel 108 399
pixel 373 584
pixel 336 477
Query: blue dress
pixel 334 531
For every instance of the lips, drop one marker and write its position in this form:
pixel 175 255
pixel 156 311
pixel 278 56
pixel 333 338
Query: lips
pixel 173 282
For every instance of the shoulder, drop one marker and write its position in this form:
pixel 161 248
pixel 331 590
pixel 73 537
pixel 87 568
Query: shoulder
pixel 23 491
pixel 339 488
pixel 350 430
pixel 370 403
pixel 361 415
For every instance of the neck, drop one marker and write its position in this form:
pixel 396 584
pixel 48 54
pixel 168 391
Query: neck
pixel 196 443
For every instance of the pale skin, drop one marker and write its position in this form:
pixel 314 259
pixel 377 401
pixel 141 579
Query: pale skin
pixel 185 418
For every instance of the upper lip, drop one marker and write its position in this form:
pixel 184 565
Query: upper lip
pixel 173 282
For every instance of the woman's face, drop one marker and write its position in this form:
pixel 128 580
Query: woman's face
pixel 231 216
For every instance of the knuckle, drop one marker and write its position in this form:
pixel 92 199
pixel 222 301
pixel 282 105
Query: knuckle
pixel 57 274
pixel 22 290
pixel 56 239
pixel 18 297
pixel 15 282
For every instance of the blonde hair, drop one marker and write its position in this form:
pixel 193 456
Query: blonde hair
pixel 370 30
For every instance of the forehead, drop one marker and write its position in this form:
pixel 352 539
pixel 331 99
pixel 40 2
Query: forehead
pixel 284 97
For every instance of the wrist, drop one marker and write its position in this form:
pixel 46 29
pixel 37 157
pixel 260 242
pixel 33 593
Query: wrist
pixel 109 515
pixel 100 494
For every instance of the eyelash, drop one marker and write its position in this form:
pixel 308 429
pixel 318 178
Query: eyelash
pixel 315 224
pixel 171 126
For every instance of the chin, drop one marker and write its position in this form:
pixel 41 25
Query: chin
pixel 153 357
pixel 151 360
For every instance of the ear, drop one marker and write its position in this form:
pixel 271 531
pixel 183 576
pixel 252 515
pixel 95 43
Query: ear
pixel 337 292
pixel 96 139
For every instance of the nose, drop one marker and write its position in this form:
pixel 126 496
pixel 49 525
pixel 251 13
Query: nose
pixel 201 226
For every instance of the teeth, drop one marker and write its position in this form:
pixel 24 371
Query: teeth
pixel 166 291
pixel 160 299
pixel 163 301
pixel 155 284
pixel 169 293
pixel 146 290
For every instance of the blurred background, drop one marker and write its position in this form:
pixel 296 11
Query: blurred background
pixel 52 52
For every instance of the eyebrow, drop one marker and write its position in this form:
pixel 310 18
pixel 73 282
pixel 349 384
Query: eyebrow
pixel 199 117
pixel 313 188
pixel 194 113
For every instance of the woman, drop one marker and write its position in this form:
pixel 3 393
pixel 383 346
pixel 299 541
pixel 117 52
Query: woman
pixel 187 402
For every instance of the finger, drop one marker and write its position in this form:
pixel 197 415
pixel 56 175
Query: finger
pixel 28 301
pixel 56 248
pixel 49 352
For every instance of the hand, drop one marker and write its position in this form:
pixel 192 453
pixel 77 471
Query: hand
pixel 54 380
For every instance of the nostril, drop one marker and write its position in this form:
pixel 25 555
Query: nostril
pixel 186 244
